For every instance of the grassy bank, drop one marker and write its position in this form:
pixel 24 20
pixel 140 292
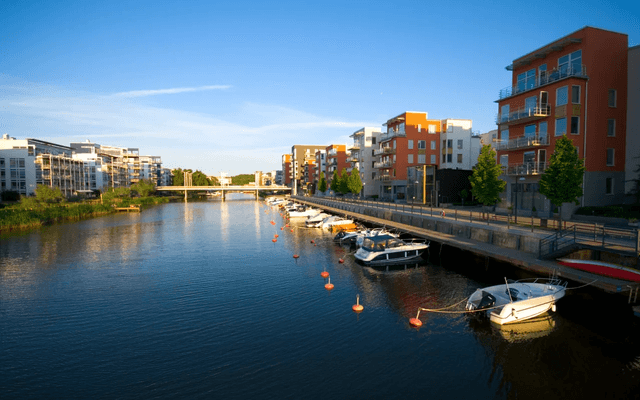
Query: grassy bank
pixel 31 215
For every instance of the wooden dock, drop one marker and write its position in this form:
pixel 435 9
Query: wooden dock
pixel 131 208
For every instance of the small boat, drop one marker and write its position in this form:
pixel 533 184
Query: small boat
pixel 329 222
pixel 303 212
pixel 602 268
pixel 517 301
pixel 387 249
pixel 315 221
pixel 357 237
pixel 371 233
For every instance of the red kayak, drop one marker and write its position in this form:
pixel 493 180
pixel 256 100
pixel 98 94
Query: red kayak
pixel 602 268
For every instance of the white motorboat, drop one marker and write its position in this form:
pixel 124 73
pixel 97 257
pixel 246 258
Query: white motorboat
pixel 387 249
pixel 315 221
pixel 371 233
pixel 304 212
pixel 330 222
pixel 357 237
pixel 517 301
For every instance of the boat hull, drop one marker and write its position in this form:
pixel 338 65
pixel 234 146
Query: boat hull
pixel 602 268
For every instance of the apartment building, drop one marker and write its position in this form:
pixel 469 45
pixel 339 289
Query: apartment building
pixel 30 162
pixel 309 175
pixel 460 147
pixel 574 86
pixel 410 140
pixel 286 169
pixel 632 173
pixel 300 155
pixel 336 161
pixel 106 169
pixel 364 143
pixel 321 167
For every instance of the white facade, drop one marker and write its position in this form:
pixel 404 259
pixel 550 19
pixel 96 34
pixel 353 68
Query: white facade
pixel 364 141
pixel 459 147
pixel 96 171
pixel 17 171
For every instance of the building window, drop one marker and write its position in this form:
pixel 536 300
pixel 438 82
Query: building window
pixel 433 159
pixel 449 158
pixel 611 127
pixel 504 160
pixel 422 144
pixel 410 158
pixel 419 127
pixel 575 94
pixel 612 98
pixel 504 113
pixel 562 96
pixel 450 143
pixel 609 186
pixel 611 157
pixel 444 158
pixel 410 144
pixel 422 159
pixel 433 145
pixel 575 125
pixel 526 80
pixel 432 129
pixel 459 158
pixel 570 64
pixel 561 126
pixel 459 143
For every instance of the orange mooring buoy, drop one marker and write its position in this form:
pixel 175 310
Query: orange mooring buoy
pixel 281 228
pixel 415 321
pixel 312 241
pixel 291 230
pixel 324 274
pixel 329 285
pixel 357 307
pixel 341 261
pixel 274 240
pixel 296 256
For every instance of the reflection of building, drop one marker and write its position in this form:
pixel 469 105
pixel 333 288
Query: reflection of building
pixel 548 97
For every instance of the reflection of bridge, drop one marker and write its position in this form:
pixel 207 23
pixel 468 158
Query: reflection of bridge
pixel 222 189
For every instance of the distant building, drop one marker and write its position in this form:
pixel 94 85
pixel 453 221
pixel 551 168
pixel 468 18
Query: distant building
pixel 362 158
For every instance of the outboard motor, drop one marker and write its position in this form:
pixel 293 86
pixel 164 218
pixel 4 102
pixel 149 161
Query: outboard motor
pixel 487 300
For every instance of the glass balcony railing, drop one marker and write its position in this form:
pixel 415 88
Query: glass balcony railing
pixel 545 78
pixel 382 164
pixel 522 142
pixel 524 114
pixel 528 168
pixel 384 150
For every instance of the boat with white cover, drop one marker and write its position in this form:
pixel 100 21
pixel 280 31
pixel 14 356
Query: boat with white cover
pixel 315 221
pixel 517 301
pixel 333 221
pixel 303 212
pixel 387 249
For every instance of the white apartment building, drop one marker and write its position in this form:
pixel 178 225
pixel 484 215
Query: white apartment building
pixel 364 142
pixel 460 148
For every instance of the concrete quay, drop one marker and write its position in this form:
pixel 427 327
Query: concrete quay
pixel 515 245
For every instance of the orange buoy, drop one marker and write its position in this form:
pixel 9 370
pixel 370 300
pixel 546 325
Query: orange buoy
pixel 291 230
pixel 341 261
pixel 324 274
pixel 296 256
pixel 415 322
pixel 357 307
pixel 312 241
pixel 287 225
pixel 281 228
pixel 274 240
pixel 329 285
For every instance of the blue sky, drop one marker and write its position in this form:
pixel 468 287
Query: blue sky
pixel 230 86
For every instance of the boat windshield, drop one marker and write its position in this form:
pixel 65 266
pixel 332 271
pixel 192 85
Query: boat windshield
pixel 372 245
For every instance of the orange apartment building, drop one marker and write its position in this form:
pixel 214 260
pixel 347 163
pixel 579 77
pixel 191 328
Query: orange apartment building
pixel 411 140
pixel 336 160
pixel 576 85
pixel 286 169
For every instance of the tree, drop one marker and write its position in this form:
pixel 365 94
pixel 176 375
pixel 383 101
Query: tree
pixel 322 186
pixel 46 194
pixel 343 183
pixel 486 184
pixel 335 182
pixel 355 183
pixel 200 179
pixel 178 176
pixel 144 187
pixel 561 182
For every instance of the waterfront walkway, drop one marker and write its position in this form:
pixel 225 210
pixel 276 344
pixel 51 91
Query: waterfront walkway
pixel 519 258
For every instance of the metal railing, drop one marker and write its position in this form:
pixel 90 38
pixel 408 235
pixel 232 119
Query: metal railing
pixel 542 110
pixel 622 240
pixel 522 142
pixel 528 168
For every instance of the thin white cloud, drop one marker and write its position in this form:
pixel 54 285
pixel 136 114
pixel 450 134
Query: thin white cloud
pixel 142 93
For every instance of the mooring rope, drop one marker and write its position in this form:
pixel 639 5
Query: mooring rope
pixel 580 287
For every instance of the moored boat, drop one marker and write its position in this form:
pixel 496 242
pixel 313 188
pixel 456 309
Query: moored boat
pixel 602 268
pixel 517 301
pixel 387 249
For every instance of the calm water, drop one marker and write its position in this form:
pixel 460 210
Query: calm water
pixel 196 301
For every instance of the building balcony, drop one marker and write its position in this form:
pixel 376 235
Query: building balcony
pixel 545 78
pixel 384 150
pixel 522 142
pixel 382 164
pixel 523 115
pixel 355 146
pixel 391 135
pixel 384 178
pixel 528 168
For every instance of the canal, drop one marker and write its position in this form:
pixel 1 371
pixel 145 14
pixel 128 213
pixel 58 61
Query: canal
pixel 197 301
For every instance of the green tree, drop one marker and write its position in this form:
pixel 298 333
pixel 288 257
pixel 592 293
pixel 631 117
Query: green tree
pixel 561 182
pixel 46 194
pixel 144 187
pixel 486 184
pixel 335 182
pixel 243 179
pixel 322 186
pixel 198 178
pixel 355 183
pixel 343 182
pixel 178 176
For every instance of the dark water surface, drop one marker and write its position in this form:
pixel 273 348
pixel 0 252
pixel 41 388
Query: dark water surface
pixel 196 301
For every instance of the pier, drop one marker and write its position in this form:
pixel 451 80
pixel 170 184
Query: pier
pixel 513 244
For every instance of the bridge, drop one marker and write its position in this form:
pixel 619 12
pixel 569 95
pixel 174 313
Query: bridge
pixel 223 189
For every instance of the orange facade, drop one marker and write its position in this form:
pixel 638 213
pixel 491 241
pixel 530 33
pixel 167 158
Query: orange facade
pixel 576 86
pixel 336 161
pixel 411 140
pixel 286 168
